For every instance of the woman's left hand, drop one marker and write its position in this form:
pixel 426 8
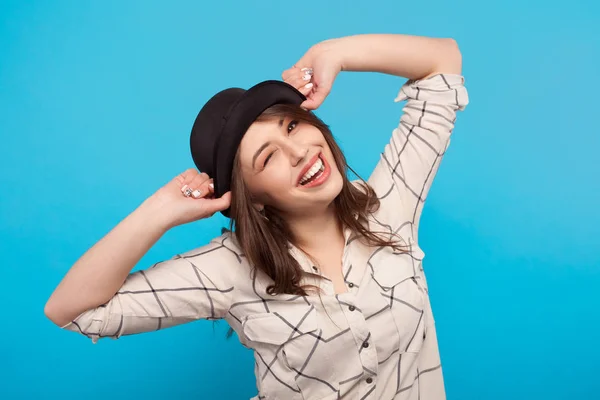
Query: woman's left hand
pixel 326 63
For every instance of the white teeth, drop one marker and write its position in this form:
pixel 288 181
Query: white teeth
pixel 317 166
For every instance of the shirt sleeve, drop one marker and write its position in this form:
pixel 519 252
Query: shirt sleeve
pixel 194 285
pixel 410 160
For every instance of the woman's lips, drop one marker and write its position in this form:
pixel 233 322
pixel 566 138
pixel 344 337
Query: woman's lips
pixel 322 176
pixel 308 166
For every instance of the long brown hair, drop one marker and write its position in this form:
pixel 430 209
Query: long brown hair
pixel 264 238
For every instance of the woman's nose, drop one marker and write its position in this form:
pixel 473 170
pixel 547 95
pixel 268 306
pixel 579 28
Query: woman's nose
pixel 297 153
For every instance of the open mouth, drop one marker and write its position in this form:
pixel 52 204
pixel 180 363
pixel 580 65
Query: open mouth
pixel 316 174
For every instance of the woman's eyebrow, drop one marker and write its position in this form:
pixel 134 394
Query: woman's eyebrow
pixel 260 149
pixel 265 145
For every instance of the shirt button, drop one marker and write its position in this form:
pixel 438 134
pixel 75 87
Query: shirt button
pixel 351 284
pixel 366 344
pixel 369 380
pixel 351 308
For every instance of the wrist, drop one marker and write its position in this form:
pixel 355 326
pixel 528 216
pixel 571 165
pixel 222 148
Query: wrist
pixel 336 50
pixel 351 51
pixel 153 210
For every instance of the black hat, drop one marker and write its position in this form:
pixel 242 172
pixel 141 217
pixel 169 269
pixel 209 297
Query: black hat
pixel 223 121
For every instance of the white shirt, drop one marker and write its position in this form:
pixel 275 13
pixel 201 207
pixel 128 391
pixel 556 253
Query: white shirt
pixel 375 341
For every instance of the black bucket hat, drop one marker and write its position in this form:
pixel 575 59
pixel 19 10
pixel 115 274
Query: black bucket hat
pixel 223 121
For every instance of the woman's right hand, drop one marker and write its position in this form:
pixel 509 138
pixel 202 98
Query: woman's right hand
pixel 179 209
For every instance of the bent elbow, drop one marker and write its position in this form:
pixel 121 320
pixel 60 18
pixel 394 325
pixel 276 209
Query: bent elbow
pixel 54 316
pixel 452 58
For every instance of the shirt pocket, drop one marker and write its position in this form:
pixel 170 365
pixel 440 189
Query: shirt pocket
pixel 399 282
pixel 296 339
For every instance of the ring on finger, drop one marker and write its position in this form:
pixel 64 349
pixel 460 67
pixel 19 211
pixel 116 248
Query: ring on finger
pixel 308 73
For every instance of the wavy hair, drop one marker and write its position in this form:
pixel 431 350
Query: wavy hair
pixel 264 237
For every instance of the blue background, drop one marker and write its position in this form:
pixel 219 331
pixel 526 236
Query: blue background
pixel 96 104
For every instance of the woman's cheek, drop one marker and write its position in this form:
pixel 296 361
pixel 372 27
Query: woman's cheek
pixel 278 179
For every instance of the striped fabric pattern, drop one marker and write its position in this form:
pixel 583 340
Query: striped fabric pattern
pixel 376 340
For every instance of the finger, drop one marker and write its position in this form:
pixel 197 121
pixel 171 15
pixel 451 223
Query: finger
pixel 299 79
pixel 204 189
pixel 186 176
pixel 306 89
pixel 207 190
pixel 211 186
pixel 317 98
pixel 306 74
pixel 297 74
pixel 285 75
pixel 219 204
pixel 196 184
pixel 302 85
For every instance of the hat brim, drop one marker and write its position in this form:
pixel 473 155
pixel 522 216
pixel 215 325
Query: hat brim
pixel 237 121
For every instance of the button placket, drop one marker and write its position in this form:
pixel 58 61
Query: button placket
pixel 368 357
pixel 360 330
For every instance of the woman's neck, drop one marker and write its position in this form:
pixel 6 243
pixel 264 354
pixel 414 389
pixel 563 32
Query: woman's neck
pixel 317 232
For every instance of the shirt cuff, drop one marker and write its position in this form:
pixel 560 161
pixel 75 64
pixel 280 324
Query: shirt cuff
pixel 441 88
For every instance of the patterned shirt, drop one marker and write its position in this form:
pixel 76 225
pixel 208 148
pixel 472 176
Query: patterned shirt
pixel 377 340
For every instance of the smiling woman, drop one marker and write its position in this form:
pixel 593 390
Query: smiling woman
pixel 320 276
pixel 277 179
pixel 270 189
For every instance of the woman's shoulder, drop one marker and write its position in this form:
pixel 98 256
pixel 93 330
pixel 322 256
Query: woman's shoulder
pixel 223 249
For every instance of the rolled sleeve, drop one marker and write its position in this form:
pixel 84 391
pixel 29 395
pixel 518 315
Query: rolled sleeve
pixel 194 285
pixel 410 161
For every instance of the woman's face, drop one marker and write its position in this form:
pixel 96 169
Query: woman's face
pixel 288 165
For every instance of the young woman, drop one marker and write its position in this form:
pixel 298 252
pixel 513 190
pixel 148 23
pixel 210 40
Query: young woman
pixel 321 277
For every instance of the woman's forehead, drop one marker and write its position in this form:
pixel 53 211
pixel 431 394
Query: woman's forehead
pixel 257 135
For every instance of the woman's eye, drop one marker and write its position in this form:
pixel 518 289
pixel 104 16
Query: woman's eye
pixel 291 126
pixel 267 159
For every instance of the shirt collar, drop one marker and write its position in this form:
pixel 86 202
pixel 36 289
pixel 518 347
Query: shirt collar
pixel 305 262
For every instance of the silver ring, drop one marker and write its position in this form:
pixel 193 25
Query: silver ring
pixel 187 192
pixel 308 73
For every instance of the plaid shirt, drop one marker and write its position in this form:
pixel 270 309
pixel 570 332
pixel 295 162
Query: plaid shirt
pixel 377 340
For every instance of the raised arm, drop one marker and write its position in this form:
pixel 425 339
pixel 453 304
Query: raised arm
pixel 101 270
pixel 94 281
pixel 435 91
pixel 197 284
pixel 412 57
